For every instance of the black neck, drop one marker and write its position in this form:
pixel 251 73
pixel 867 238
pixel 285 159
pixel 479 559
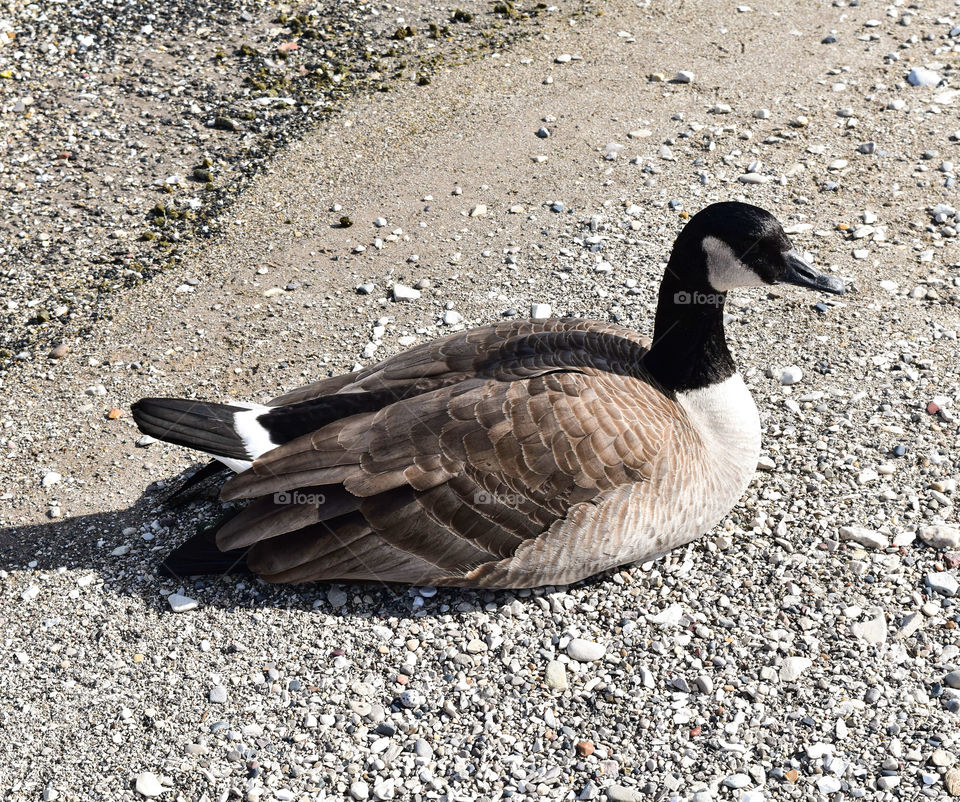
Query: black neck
pixel 689 349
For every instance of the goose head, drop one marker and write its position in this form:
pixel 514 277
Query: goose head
pixel 730 245
pixel 723 247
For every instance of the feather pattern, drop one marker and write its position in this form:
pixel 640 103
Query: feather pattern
pixel 512 455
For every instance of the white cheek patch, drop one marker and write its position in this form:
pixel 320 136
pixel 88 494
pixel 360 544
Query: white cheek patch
pixel 724 270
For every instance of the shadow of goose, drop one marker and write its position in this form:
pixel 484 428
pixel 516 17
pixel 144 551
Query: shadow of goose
pixel 126 548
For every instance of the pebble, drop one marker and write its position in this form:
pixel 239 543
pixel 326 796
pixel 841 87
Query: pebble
pixel 148 785
pixel 828 785
pixel 941 536
pixel 556 675
pixel 218 695
pixel 60 351
pixel 585 651
pixel 736 781
pixel 791 375
pixel 793 667
pixel 952 680
pixel 620 793
pixel 543 132
pixel 540 311
pixel 359 790
pixel 867 538
pixel 951 781
pixel 872 631
pixel 181 604
pixel 921 76
pixel 478 211
pixel 943 583
pixel 684 77
pixel 401 292
pixel 50 479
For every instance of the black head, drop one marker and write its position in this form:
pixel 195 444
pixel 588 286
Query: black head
pixel 731 244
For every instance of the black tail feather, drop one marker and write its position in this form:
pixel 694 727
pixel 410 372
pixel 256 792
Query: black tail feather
pixel 196 483
pixel 200 555
pixel 194 424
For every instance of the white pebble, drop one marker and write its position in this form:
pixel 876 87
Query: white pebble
pixel 401 292
pixel 941 536
pixel 921 76
pixel 180 603
pixel 585 651
pixel 148 785
pixel 790 375
pixel 793 667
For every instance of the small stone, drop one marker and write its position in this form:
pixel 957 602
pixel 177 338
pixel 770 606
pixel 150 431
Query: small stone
pixel 585 748
pixel 556 675
pixel 380 222
pixel 59 351
pixel 225 124
pixel 476 646
pixel 736 781
pixel 410 699
pixel 620 793
pixel 337 597
pixel 952 781
pixel 909 624
pixel 543 132
pixel 888 781
pixel 50 479
pixel 762 114
pixel 359 790
pixel 668 617
pixel 793 667
pixel 478 211
pixel 540 311
pixel 145 440
pixel 942 758
pixel 873 630
pixel 217 695
pixel 828 785
pixel 790 375
pixel 867 538
pixel 585 651
pixel 401 292
pixel 181 604
pixel 148 785
pixel 921 76
pixel 952 680
pixel 942 582
pixel 941 536
pixel 452 318
pixel 563 58
pixel 684 77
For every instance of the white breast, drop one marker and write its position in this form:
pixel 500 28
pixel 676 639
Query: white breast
pixel 727 421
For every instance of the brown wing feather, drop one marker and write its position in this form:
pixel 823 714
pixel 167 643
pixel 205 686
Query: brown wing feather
pixel 495 445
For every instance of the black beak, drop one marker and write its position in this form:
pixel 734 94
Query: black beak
pixel 802 274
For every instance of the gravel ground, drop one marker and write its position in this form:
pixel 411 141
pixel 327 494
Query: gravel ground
pixel 806 649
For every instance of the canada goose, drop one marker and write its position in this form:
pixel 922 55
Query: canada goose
pixel 514 455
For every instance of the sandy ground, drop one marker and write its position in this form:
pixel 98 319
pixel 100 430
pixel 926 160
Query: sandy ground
pixel 272 304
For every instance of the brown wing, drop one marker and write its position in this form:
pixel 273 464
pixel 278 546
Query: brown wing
pixel 497 434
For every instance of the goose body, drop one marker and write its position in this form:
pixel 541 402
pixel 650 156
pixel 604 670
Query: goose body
pixel 514 455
